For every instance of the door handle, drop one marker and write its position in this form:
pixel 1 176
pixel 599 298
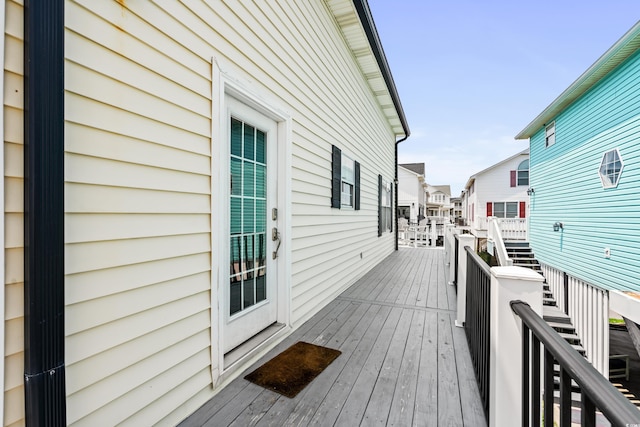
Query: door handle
pixel 275 236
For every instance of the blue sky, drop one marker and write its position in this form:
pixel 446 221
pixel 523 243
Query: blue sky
pixel 471 74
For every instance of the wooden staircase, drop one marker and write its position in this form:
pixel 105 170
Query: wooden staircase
pixel 522 256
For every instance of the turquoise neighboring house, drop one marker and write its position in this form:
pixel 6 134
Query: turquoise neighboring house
pixel 585 173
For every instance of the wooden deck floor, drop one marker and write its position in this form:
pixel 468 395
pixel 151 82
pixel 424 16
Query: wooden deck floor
pixel 403 361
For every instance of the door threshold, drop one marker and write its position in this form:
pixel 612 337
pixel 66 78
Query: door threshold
pixel 233 356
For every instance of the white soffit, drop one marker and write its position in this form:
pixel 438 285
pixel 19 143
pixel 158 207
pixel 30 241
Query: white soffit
pixel 354 34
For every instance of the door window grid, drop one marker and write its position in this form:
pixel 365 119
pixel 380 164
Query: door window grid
pixel 248 216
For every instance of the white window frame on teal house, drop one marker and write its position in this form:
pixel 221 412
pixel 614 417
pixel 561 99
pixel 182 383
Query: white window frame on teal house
pixel 550 134
pixel 348 182
pixel 611 168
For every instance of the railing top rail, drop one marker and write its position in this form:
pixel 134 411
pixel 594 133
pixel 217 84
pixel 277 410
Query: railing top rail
pixel 617 408
pixel 479 261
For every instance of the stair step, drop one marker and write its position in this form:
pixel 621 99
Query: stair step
pixel 520 255
pixel 555 313
pixel 579 349
pixel 561 326
pixel 569 336
pixel 516 244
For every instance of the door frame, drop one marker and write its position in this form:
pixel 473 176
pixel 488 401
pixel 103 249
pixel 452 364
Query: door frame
pixel 228 80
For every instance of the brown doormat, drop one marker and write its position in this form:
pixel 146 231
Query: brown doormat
pixel 290 371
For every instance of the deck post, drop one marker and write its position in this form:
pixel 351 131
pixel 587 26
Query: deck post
pixel 449 230
pixel 464 240
pixel 505 367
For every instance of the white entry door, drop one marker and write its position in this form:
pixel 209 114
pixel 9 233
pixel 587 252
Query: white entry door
pixel 250 291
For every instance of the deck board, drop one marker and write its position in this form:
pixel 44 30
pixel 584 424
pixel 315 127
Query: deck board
pixel 403 361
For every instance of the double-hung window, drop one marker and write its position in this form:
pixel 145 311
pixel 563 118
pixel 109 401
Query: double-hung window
pixel 345 181
pixel 550 134
pixel 385 197
pixel 523 172
pixel 506 209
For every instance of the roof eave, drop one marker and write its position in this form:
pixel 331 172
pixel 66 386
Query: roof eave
pixel 360 9
pixel 618 53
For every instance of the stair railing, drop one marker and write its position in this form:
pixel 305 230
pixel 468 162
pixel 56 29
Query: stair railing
pixel 596 391
pixel 494 235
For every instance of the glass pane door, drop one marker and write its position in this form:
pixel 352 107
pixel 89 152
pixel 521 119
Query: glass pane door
pixel 248 217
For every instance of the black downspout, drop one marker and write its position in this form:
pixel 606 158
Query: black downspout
pixel 395 183
pixel 44 370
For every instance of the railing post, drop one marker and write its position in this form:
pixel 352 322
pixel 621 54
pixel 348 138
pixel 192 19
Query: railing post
pixel 505 384
pixel 463 240
pixel 449 245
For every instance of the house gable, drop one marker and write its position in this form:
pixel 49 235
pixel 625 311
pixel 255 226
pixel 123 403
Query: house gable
pixel 568 185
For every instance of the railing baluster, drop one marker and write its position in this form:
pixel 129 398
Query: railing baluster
pixel 565 398
pixel 535 379
pixel 588 412
pixel 548 388
pixel 596 390
pixel 525 375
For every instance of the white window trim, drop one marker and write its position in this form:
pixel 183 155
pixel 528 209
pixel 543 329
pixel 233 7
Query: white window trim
pixel 606 182
pixel 518 170
pixel 551 126
pixel 344 180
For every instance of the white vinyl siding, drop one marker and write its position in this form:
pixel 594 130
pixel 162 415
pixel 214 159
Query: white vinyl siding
pixel 13 215
pixel 138 286
pixel 137 223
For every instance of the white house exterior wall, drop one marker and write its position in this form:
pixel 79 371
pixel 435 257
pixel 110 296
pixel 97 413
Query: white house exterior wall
pixel 493 185
pixel 139 131
pixel 410 191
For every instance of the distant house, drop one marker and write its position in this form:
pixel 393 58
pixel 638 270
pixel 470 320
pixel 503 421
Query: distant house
pixel 457 208
pixel 499 191
pixel 185 183
pixel 438 201
pixel 412 190
pixel 585 169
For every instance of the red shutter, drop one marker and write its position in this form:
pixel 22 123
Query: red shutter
pixel 489 209
pixel 523 207
pixel 513 178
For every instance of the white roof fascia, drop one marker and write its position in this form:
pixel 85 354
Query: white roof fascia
pixel 618 53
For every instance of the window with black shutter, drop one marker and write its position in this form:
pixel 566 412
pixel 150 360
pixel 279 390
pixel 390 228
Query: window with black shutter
pixel 345 181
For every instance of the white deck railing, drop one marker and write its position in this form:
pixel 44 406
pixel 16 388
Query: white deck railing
pixel 511 228
pixel 494 237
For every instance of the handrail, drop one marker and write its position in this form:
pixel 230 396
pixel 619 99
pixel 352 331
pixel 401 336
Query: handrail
pixel 501 250
pixel 481 263
pixel 618 409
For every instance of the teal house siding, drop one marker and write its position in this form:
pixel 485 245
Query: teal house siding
pixel 604 115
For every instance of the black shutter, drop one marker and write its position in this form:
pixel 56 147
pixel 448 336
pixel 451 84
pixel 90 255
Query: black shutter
pixel 390 209
pixel 356 187
pixel 336 175
pixel 380 205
